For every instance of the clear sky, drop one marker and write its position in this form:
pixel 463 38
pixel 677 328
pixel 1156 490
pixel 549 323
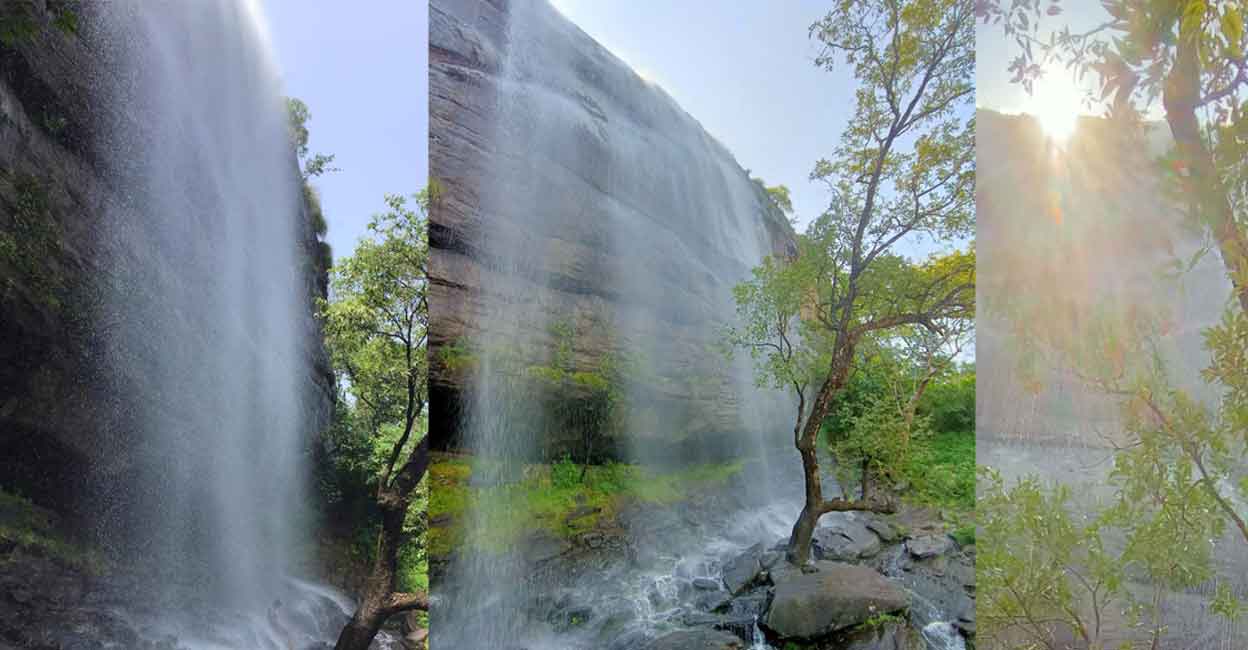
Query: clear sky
pixel 362 68
pixel 744 70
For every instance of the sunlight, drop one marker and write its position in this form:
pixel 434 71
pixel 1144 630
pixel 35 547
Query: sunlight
pixel 1056 102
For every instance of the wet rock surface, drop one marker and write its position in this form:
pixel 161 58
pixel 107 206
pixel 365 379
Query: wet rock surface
pixel 539 132
pixel 668 587
pixel 834 597
pixel 49 605
pixel 845 536
pixel 696 640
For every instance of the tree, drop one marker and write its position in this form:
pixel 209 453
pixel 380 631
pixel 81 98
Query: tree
pixel 904 167
pixel 298 116
pixel 1045 579
pixel 1181 456
pixel 377 327
pixel 316 164
pixel 1190 54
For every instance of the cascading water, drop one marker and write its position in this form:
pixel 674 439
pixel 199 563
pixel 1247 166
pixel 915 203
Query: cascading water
pixel 598 184
pixel 206 321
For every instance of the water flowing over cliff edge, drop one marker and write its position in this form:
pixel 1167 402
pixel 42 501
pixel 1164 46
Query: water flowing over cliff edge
pixel 574 191
pixel 163 371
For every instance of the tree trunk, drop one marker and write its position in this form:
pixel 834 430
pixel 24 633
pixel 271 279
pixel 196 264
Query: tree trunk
pixel 1180 96
pixel 375 607
pixel 807 445
pixel 804 528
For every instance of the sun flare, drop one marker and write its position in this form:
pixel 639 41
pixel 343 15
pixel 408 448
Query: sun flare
pixel 1056 102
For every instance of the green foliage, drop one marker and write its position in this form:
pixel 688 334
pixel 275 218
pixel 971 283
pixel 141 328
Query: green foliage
pixel 877 441
pixel 547 497
pixel 1131 47
pixel 376 323
pixel 312 198
pixel 298 117
pixel 565 474
pixel 779 196
pixel 942 471
pixel 964 536
pixel 950 404
pixel 457 356
pixel 26 526
pixel 20 21
pixel 589 401
pixel 1039 568
pixel 882 619
pixel 376 328
pixel 297 114
pixel 30 242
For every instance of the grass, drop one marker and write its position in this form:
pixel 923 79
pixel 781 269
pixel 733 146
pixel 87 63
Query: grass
pixel 547 495
pixel 26 526
pixel 944 471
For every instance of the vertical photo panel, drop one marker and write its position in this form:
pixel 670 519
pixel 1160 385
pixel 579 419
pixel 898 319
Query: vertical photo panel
pixel 701 324
pixel 212 324
pixel 1111 427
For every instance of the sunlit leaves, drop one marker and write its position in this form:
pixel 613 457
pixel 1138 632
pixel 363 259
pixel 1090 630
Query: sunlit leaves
pixel 376 320
pixel 1040 568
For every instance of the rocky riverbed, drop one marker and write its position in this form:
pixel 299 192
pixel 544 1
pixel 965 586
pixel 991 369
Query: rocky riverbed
pixel 49 605
pixel 710 573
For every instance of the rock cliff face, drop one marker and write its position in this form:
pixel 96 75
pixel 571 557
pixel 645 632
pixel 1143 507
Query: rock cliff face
pixel 573 191
pixel 63 427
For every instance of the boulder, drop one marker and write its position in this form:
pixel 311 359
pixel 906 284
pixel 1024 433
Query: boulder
pixel 699 619
pixel 844 536
pixel 836 596
pixel 713 600
pixel 697 640
pixel 927 546
pixel 741 571
pixel 752 604
pixel 883 529
pixel 889 636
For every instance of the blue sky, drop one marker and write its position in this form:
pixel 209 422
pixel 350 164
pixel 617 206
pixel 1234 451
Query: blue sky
pixel 744 70
pixel 364 75
pixel 993 52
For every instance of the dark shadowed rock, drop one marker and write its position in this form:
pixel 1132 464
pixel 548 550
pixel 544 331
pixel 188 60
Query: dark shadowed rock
pixel 835 597
pixel 752 604
pixel 890 636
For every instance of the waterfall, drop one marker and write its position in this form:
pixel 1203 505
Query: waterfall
pixel 205 317
pixel 602 207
